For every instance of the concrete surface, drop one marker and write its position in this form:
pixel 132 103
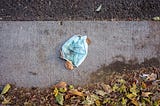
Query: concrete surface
pixel 29 51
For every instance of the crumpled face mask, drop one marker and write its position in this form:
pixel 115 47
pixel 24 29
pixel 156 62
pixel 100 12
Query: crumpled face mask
pixel 75 50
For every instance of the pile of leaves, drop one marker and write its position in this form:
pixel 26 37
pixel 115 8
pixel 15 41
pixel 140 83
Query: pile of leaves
pixel 134 88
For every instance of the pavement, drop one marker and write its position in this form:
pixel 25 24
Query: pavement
pixel 29 50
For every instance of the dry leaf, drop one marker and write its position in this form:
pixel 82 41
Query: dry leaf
pixel 152 77
pixel 146 94
pixel 106 88
pixel 90 99
pixel 6 89
pixel 100 92
pixel 98 103
pixel 27 104
pixel 133 89
pixel 135 102
pixel 61 85
pixel 143 85
pixel 76 92
pixel 88 41
pixel 6 101
pixel 69 65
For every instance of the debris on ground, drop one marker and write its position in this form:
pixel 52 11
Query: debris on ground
pixel 75 50
pixel 99 8
pixel 156 18
pixel 139 87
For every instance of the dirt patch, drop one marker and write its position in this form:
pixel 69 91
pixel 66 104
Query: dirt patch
pixel 105 73
pixel 79 9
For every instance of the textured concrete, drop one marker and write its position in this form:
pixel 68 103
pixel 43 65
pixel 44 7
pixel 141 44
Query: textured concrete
pixel 29 51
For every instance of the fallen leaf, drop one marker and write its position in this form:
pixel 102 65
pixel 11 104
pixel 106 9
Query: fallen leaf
pixel 156 18
pixel 135 102
pixel 71 87
pixel 62 90
pixel 122 88
pixel 156 103
pixel 121 81
pixel 69 65
pixel 98 103
pixel 6 89
pixel 124 101
pixel 133 89
pixel 100 92
pixel 146 94
pixel 152 77
pixel 106 100
pixel 55 92
pixel 147 100
pixel 76 92
pixel 115 87
pixel 130 96
pixel 90 99
pixel 99 8
pixel 106 88
pixel 6 101
pixel 143 85
pixel 61 85
pixel 88 41
pixel 27 104
pixel 59 98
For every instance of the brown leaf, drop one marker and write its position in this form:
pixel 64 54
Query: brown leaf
pixel 106 88
pixel 61 85
pixel 76 92
pixel 88 41
pixel 135 102
pixel 143 85
pixel 146 94
pixel 69 65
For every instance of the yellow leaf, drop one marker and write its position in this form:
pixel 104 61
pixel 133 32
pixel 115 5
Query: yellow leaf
pixel 71 87
pixel 124 101
pixel 76 92
pixel 55 92
pixel 130 96
pixel 133 89
pixel 122 81
pixel 115 87
pixel 6 89
pixel 135 102
pixel 146 94
pixel 143 85
pixel 98 103
pixel 122 88
pixel 62 89
pixel 6 101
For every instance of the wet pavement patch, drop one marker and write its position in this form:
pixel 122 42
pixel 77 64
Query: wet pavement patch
pixel 104 73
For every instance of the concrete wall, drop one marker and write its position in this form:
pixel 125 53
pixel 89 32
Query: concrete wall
pixel 29 51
